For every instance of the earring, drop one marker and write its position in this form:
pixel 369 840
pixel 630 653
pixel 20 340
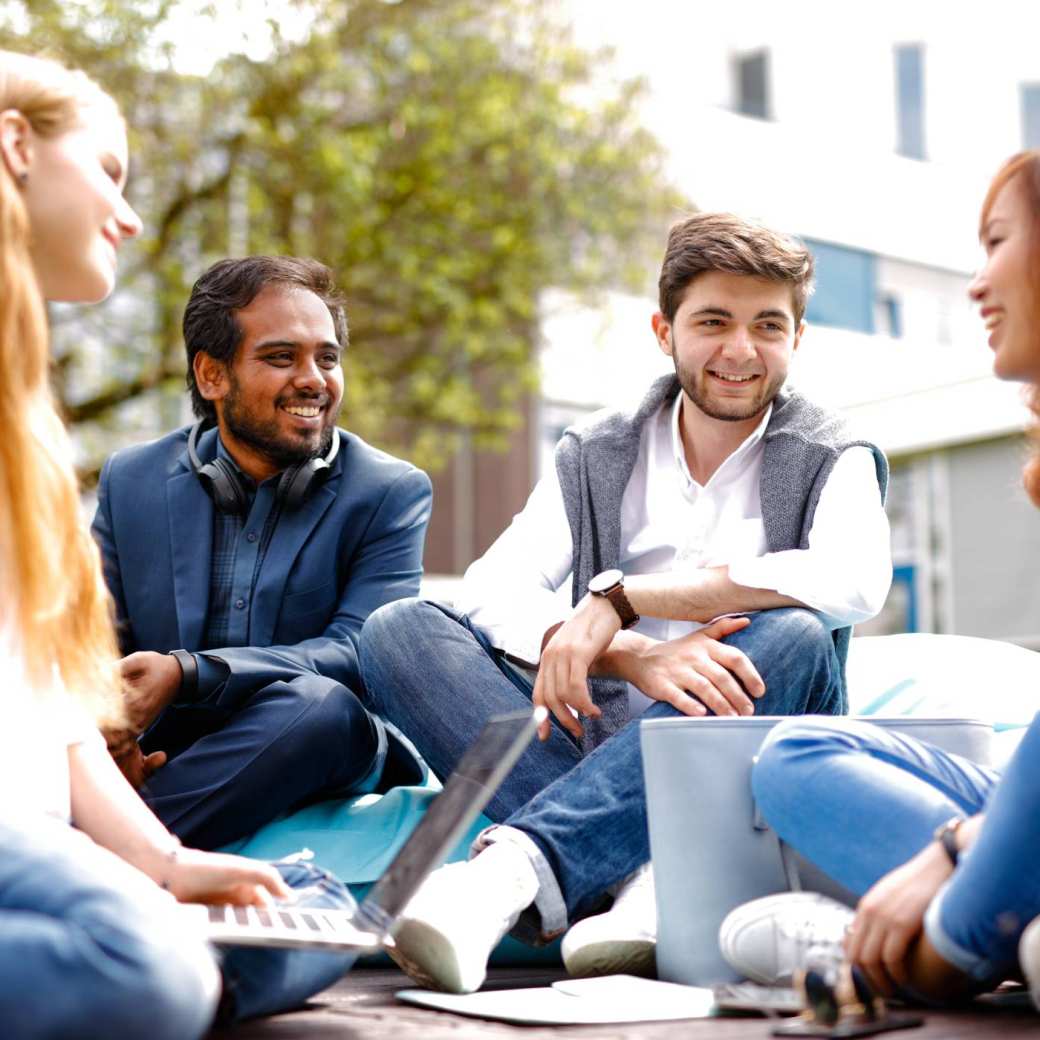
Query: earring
pixel 23 177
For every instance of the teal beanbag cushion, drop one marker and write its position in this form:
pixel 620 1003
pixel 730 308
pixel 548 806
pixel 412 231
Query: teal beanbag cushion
pixel 356 838
pixel 947 676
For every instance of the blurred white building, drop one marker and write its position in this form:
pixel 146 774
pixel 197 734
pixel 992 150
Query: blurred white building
pixel 871 132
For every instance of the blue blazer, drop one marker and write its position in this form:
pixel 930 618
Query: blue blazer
pixel 355 544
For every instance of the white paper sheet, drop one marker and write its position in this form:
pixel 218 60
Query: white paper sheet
pixel 610 999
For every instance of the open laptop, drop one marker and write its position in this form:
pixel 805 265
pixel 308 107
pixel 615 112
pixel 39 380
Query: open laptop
pixel 469 788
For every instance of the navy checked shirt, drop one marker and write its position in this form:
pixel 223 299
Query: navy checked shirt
pixel 239 546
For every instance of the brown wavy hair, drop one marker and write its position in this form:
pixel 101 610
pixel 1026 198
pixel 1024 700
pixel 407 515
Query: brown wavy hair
pixel 56 605
pixel 1024 170
pixel 726 242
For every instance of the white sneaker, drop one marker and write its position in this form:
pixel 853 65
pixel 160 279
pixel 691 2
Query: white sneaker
pixel 450 926
pixel 621 941
pixel 1029 959
pixel 769 939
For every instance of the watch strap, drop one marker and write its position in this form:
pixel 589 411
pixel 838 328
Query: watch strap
pixel 620 602
pixel 946 836
pixel 189 675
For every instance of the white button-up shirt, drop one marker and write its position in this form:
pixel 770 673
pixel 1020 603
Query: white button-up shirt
pixel 520 587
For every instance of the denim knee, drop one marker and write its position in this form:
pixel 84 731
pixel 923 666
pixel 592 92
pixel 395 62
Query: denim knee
pixel 395 644
pixel 775 775
pixel 166 990
pixel 393 622
pixel 797 625
pixel 401 622
pixel 793 651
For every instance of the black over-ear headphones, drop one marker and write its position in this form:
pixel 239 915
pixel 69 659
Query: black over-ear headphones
pixel 225 486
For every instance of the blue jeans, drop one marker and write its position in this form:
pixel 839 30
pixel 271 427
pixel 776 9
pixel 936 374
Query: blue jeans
pixel 582 820
pixel 877 797
pixel 90 947
pixel 262 981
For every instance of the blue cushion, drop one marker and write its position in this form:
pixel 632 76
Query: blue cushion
pixel 947 676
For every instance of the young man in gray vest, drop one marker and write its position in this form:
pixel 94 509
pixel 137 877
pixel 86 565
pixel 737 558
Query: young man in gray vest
pixel 723 494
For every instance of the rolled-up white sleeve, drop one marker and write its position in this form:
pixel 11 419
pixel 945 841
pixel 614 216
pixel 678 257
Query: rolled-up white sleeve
pixel 513 592
pixel 846 571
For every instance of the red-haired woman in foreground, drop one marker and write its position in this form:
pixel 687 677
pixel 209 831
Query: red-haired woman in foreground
pixel 91 940
pixel 942 852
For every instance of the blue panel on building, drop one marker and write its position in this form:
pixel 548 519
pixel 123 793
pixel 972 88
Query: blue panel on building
pixel 846 287
pixel 910 100
pixel 1031 115
pixel 904 589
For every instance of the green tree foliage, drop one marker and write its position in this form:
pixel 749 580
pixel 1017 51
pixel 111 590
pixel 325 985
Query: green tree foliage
pixel 450 159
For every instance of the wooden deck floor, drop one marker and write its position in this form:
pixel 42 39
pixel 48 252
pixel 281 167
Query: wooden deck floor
pixel 362 1007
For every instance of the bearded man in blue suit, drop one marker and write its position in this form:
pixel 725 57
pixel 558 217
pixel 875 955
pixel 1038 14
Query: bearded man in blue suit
pixel 244 554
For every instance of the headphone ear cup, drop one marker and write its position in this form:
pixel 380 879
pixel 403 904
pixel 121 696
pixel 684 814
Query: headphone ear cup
pixel 219 479
pixel 295 483
pixel 225 487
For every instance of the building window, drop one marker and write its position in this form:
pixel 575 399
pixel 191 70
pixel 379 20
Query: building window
pixel 751 84
pixel 1031 115
pixel 890 315
pixel 910 100
pixel 846 287
pixel 906 509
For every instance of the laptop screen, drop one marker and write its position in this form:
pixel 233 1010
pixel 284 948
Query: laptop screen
pixel 469 788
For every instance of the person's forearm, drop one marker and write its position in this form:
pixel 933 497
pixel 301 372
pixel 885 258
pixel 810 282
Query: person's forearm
pixel 698 595
pixel 105 807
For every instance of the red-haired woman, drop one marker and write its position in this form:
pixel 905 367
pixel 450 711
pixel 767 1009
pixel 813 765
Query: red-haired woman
pixel 91 939
pixel 942 853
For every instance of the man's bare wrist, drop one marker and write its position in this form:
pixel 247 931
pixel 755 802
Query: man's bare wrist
pixel 602 614
pixel 549 633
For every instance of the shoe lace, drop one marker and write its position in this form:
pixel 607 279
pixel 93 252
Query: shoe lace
pixel 816 939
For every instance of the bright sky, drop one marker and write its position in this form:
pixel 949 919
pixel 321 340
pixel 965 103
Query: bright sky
pixel 231 26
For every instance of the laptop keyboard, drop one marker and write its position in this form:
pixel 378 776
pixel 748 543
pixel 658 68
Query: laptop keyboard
pixel 268 925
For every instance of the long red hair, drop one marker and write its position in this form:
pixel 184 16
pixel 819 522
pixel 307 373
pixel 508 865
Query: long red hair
pixel 55 603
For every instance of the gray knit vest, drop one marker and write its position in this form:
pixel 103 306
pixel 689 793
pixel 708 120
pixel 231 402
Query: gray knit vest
pixel 594 462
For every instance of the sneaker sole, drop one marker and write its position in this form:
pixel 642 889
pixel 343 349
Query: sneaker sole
pixel 430 961
pixel 613 958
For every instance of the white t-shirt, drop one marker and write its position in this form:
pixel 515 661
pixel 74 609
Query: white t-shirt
pixel 36 729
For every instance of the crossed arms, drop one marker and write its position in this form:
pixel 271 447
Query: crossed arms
pixel 515 593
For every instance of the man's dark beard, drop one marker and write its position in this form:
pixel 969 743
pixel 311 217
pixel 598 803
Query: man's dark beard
pixel 265 437
pixel 756 406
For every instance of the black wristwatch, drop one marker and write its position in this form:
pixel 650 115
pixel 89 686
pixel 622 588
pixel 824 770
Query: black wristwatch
pixel 611 585
pixel 946 836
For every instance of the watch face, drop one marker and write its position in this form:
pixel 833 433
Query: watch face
pixel 605 580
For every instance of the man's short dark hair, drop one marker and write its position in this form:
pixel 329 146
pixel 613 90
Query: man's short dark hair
pixel 230 285
pixel 725 242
